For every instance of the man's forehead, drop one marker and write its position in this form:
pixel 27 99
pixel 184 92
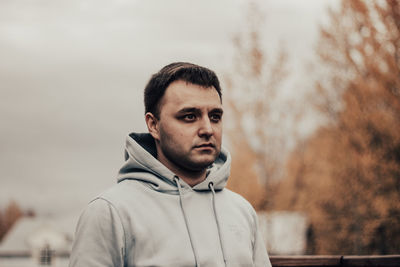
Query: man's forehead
pixel 188 95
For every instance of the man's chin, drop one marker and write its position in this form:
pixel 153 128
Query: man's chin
pixel 203 163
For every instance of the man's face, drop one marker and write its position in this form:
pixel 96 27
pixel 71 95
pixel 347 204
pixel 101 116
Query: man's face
pixel 189 126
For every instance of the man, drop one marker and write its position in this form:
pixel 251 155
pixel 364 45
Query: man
pixel 170 207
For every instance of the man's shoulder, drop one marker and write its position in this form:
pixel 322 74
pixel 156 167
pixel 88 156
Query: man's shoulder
pixel 238 200
pixel 121 192
pixel 235 196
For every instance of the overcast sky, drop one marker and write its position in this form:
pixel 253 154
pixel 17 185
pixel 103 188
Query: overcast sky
pixel 72 75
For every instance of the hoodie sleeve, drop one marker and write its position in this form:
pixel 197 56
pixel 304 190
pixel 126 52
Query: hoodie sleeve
pixel 99 237
pixel 260 255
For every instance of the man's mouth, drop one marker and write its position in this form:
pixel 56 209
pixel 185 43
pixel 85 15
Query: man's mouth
pixel 206 145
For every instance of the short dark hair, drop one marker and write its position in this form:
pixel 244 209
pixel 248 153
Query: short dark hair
pixel 178 71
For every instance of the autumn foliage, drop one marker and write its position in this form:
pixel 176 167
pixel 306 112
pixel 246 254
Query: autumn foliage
pixel 251 90
pixel 346 177
pixel 8 217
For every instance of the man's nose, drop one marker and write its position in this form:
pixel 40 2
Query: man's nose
pixel 206 128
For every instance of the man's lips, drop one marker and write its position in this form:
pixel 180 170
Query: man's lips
pixel 205 145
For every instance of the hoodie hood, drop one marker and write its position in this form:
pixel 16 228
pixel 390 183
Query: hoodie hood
pixel 142 165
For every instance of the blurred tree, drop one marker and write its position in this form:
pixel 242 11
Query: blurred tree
pixel 347 176
pixel 244 179
pixel 8 217
pixel 255 132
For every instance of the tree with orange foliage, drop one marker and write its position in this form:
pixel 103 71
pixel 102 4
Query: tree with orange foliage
pixel 347 175
pixel 251 91
pixel 8 217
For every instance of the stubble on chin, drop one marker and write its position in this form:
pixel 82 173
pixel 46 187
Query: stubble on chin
pixel 193 162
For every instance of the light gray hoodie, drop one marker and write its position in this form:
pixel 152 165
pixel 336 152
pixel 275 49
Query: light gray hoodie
pixel 153 218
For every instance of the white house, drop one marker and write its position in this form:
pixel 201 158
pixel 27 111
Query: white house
pixel 285 232
pixel 38 241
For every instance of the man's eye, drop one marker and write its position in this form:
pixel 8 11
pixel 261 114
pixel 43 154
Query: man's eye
pixel 215 117
pixel 189 117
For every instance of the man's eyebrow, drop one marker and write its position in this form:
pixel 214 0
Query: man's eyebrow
pixel 189 110
pixel 197 110
pixel 217 110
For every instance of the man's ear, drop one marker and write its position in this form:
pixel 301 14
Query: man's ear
pixel 152 125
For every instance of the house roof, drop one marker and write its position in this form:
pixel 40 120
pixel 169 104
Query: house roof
pixel 31 233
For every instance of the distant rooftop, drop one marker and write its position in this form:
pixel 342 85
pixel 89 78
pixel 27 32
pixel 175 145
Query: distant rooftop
pixel 32 233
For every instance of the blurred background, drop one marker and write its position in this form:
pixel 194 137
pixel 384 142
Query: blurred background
pixel 311 91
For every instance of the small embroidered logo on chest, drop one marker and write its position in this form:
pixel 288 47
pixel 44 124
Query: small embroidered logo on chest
pixel 237 232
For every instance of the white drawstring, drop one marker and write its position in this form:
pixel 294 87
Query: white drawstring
pixel 211 186
pixel 197 263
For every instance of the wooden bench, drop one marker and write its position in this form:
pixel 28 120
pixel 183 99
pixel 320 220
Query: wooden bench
pixel 336 261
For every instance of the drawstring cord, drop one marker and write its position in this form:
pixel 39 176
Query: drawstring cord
pixel 211 186
pixel 197 263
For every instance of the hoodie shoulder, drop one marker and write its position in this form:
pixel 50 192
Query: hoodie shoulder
pixel 121 191
pixel 99 221
pixel 241 203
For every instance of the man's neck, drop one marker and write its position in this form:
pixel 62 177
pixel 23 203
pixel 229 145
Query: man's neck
pixel 191 177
